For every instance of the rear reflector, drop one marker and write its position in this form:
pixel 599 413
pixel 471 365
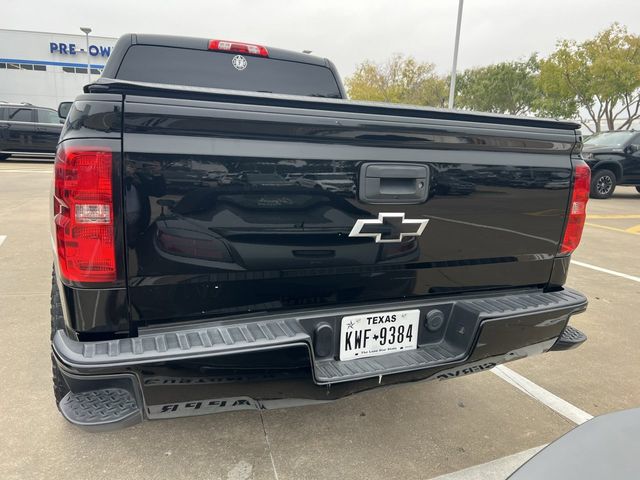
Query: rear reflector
pixel 83 214
pixel 238 47
pixel 577 207
pixel 98 213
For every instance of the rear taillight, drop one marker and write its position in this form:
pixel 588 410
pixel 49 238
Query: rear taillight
pixel 238 47
pixel 83 213
pixel 577 207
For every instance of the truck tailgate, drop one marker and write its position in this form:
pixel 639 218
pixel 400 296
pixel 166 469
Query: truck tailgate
pixel 235 208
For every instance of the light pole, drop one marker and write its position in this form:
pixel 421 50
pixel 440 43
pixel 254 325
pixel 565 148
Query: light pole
pixel 87 31
pixel 452 86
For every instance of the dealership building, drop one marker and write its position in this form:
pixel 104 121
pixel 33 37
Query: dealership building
pixel 44 68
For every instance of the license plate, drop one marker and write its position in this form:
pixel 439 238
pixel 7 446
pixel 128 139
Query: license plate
pixel 378 333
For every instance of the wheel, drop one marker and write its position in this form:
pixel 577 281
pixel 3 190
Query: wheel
pixel 60 388
pixel 603 183
pixel 638 189
pixel 4 156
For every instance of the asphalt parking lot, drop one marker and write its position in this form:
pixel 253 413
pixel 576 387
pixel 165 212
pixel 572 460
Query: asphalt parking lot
pixel 413 431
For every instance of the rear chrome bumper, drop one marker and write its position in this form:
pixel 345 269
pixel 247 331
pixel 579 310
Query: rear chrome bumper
pixel 480 331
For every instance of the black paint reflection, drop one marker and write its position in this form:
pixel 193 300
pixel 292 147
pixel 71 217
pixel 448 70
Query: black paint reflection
pixel 249 220
pixel 214 235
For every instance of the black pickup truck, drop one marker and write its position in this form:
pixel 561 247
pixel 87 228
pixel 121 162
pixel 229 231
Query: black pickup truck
pixel 614 159
pixel 231 233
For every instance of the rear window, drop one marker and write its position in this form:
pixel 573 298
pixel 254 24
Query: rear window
pixel 610 139
pixel 48 116
pixel 203 68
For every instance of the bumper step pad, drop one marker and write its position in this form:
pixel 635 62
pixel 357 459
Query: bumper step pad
pixel 339 371
pixel 571 338
pixel 101 410
pixel 189 343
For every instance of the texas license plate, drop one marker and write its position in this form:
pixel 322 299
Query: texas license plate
pixel 378 333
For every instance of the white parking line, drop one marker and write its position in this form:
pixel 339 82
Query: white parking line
pixel 606 270
pixel 501 468
pixel 2 239
pixel 498 469
pixel 552 401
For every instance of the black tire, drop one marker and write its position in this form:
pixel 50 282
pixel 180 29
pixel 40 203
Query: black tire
pixel 638 189
pixel 603 184
pixel 60 388
pixel 4 156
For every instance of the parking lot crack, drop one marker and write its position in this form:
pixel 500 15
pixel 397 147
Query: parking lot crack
pixel 266 438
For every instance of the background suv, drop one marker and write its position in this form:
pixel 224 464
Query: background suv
pixel 27 129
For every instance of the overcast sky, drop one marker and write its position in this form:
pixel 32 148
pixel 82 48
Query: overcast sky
pixel 346 31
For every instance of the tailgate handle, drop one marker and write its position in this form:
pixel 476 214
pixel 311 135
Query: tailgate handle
pixel 314 253
pixel 393 183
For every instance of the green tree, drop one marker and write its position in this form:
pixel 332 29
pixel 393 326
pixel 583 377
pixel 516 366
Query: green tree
pixel 506 87
pixel 399 80
pixel 596 81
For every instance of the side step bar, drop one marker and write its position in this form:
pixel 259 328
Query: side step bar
pixel 570 338
pixel 102 403
pixel 101 410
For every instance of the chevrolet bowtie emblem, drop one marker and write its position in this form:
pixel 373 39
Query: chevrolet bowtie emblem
pixel 389 227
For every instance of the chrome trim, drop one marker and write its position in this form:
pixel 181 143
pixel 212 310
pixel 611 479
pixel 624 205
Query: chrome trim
pixel 356 231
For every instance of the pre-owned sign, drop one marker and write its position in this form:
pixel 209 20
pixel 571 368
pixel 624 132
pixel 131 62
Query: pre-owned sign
pixel 72 49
